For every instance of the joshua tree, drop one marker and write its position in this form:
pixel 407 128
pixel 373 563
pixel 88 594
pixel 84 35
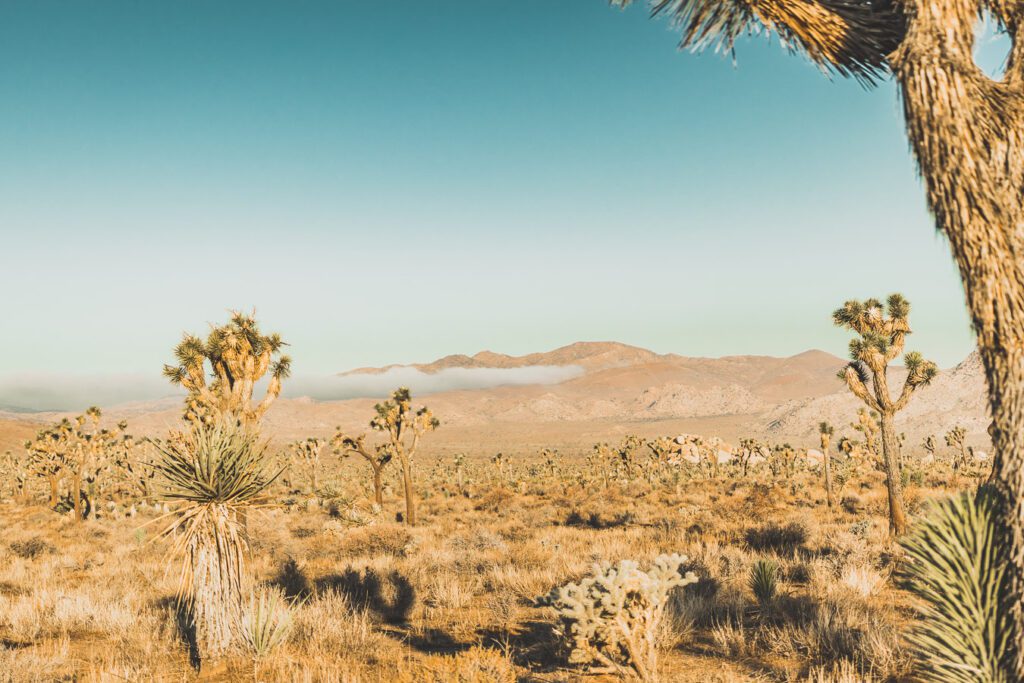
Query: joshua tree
pixel 749 448
pixel 498 459
pixel 307 455
pixel 551 458
pixel 955 440
pixel 215 472
pixel 126 458
pixel 13 469
pixel 238 356
pixel 967 133
pixel 46 456
pixel 825 430
pixel 929 446
pixel 404 427
pixel 783 460
pixel 867 424
pixel 377 456
pixel 881 335
pixel 90 451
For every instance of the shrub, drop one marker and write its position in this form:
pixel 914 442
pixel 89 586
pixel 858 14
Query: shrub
pixel 612 618
pixel 764 581
pixel 32 548
pixel 265 622
pixel 777 537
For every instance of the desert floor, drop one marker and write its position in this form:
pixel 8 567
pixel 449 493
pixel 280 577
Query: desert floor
pixel 455 598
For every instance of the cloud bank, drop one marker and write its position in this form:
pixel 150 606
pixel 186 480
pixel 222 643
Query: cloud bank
pixel 54 392
pixel 449 379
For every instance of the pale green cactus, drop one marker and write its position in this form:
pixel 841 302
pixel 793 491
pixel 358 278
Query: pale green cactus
pixel 611 618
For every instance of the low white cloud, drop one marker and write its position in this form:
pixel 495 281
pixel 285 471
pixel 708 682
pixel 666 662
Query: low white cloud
pixel 449 379
pixel 46 392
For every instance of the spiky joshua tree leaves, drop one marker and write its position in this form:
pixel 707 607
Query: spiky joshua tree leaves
pixel 881 334
pixel 214 473
pixel 221 372
pixel 956 566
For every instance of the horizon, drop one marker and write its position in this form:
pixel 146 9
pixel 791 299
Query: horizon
pixel 40 392
pixel 525 195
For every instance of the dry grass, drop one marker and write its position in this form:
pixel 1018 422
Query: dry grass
pixel 454 599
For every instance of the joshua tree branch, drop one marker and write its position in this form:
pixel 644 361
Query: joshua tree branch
pixel 860 390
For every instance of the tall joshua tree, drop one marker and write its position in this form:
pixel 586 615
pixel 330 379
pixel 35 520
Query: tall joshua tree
pixel 221 372
pixel 967 133
pixel 825 430
pixel 404 426
pixel 881 335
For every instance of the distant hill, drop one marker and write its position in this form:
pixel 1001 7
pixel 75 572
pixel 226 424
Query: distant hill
pixel 621 389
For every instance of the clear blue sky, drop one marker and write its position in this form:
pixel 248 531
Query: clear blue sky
pixel 395 181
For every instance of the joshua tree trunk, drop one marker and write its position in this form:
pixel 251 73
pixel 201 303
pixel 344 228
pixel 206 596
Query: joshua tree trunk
pixel 217 582
pixel 54 490
pixel 967 132
pixel 410 495
pixel 890 454
pixel 76 494
pixel 827 464
pixel 378 486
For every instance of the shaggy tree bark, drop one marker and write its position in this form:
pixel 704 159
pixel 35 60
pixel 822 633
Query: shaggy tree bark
pixel 966 131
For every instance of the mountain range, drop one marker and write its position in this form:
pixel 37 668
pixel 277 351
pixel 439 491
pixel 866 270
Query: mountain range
pixel 614 389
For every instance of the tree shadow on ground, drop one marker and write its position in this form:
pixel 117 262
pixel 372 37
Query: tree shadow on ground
pixel 391 596
pixel 185 625
pixel 532 644
pixel 292 580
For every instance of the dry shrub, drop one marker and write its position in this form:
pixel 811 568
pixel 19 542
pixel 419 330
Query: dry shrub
pixel 394 540
pixel 32 548
pixel 495 500
pixel 476 665
pixel 329 624
pixel 782 539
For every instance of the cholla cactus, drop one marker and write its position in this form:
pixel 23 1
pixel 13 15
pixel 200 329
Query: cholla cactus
pixel 611 618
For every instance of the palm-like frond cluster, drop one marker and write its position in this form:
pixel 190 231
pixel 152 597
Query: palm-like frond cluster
pixel 849 37
pixel 957 567
pixel 215 472
pixel 217 464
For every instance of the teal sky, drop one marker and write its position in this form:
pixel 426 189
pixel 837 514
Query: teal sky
pixel 392 182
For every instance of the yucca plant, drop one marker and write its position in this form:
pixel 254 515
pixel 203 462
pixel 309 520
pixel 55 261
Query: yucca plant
pixel 764 581
pixel 215 473
pixel 264 624
pixel 957 568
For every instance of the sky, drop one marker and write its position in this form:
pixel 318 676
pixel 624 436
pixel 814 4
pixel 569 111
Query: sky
pixel 394 182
